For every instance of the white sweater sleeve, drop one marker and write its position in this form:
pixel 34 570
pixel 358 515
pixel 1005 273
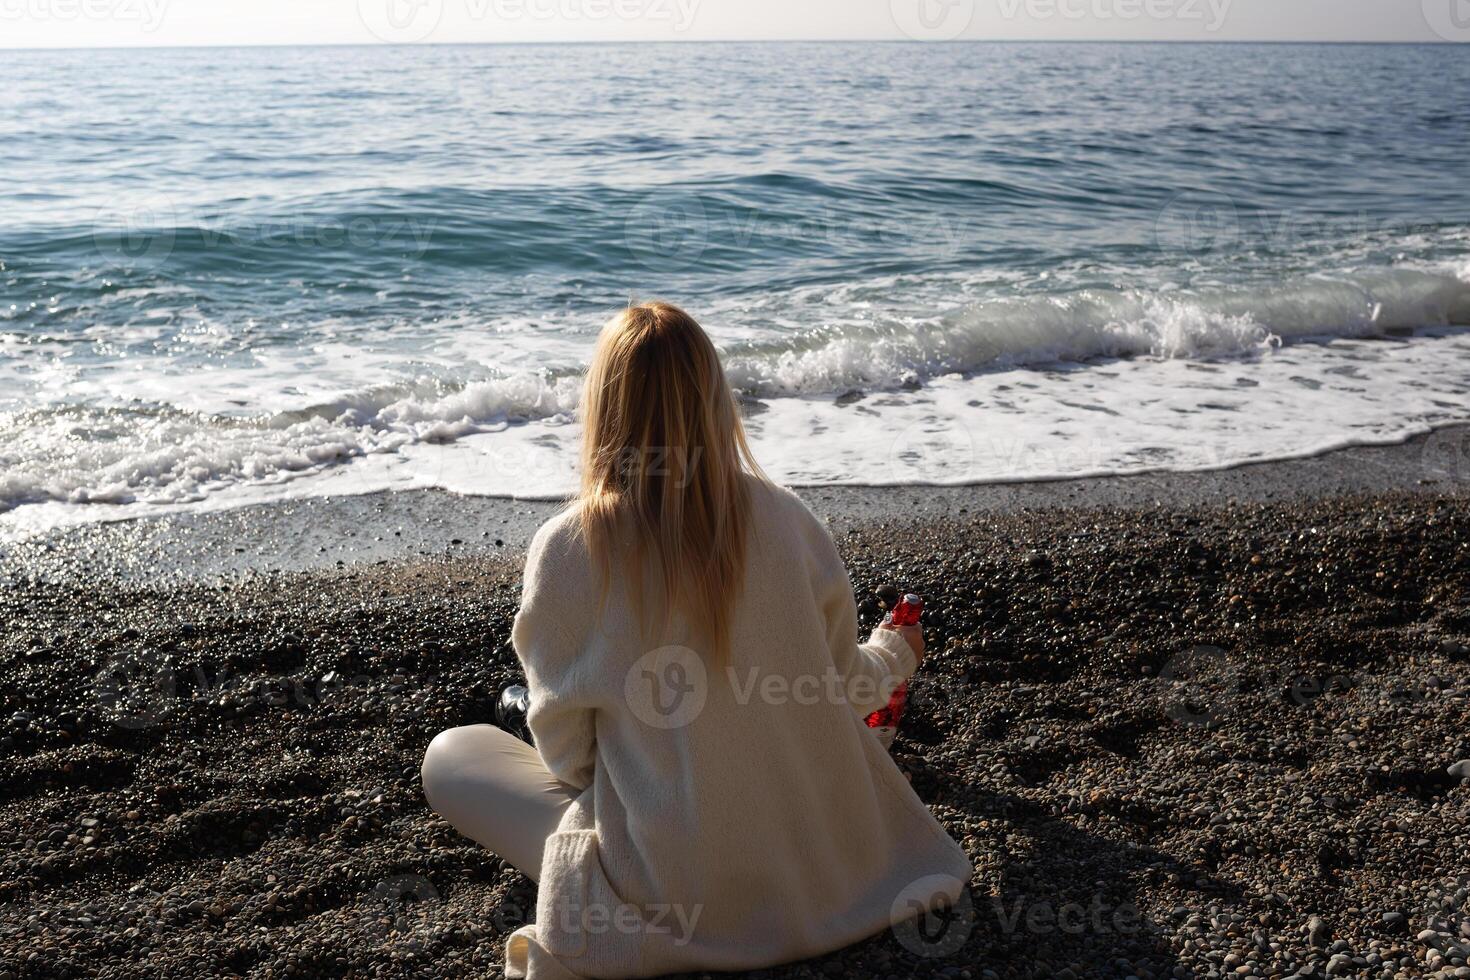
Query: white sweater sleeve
pixel 870 670
pixel 549 638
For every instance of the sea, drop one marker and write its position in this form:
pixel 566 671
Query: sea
pixel 237 275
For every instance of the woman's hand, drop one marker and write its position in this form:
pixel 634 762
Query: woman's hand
pixel 915 637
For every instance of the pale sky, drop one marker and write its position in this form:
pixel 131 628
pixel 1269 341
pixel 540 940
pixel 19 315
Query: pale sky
pixel 88 23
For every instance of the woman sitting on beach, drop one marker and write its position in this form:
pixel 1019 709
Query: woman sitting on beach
pixel 703 793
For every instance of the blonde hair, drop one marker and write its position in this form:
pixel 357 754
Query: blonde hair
pixel 663 463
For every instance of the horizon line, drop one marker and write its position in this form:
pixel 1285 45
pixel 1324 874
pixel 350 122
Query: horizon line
pixel 1439 42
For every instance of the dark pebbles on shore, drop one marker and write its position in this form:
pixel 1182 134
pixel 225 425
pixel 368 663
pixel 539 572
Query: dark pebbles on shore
pixel 1216 742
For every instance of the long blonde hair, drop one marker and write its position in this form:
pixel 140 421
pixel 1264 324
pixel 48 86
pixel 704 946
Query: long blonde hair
pixel 663 463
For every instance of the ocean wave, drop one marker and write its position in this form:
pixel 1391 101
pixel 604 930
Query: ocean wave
pixel 114 456
pixel 430 403
pixel 160 454
pixel 1091 324
pixel 1001 333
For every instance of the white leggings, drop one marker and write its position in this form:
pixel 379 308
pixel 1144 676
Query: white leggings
pixel 493 788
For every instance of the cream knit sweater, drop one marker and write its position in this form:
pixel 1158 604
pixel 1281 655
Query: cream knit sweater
pixel 730 818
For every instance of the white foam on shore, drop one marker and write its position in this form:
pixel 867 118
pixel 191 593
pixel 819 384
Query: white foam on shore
pixel 1091 324
pixel 1079 383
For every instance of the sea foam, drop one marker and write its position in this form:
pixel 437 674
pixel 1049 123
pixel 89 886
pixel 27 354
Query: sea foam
pixel 1041 370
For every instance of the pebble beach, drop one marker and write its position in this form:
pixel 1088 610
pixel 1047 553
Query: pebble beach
pixel 1217 736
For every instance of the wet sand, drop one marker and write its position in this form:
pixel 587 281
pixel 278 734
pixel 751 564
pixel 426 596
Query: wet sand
pixel 327 533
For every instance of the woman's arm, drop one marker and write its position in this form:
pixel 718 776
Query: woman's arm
pixel 871 670
pixel 550 638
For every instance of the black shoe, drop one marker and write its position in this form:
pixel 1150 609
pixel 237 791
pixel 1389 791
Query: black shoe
pixel 511 711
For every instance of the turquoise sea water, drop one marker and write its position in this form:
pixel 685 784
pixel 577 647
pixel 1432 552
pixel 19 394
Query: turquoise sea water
pixel 243 273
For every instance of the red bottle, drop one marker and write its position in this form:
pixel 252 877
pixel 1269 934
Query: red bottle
pixel 885 720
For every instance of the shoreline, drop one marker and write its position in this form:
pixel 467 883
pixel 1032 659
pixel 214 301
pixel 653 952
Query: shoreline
pixel 315 533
